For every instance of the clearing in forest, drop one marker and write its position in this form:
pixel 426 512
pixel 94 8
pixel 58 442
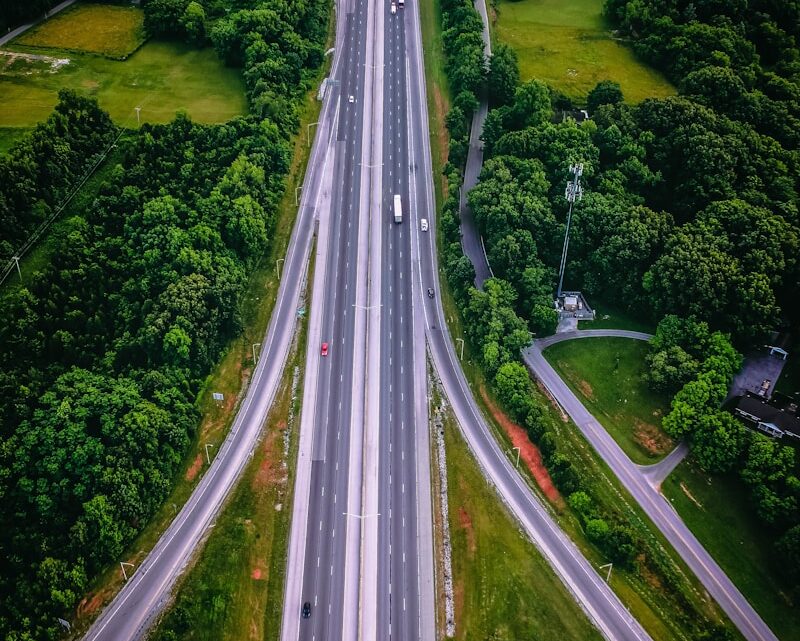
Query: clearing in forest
pixel 569 45
pixel 108 30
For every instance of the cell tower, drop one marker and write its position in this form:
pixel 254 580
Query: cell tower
pixel 573 192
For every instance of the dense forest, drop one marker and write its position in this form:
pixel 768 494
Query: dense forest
pixel 690 214
pixel 13 13
pixel 102 356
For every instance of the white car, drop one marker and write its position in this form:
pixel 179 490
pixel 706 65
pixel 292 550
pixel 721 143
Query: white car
pixel 394 8
pixel 351 99
pixel 423 224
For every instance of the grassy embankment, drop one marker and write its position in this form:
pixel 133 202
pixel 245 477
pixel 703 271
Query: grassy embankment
pixel 160 77
pixel 569 45
pixel 230 377
pixel 608 374
pixel 718 513
pixel 503 588
pixel 715 508
pixel 646 599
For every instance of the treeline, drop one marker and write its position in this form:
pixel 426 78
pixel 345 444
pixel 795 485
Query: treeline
pixel 738 58
pixel 512 203
pixel 41 170
pixel 102 356
pixel 685 355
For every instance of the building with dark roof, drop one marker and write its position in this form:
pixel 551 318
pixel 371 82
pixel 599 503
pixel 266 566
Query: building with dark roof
pixel 777 418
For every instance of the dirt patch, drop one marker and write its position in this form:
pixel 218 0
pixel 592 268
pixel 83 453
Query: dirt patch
pixel 441 133
pixel 586 390
pixel 465 522
pixel 690 496
pixel 194 468
pixel 651 438
pixel 529 453
pixel 648 575
pixel 270 472
pixel 89 605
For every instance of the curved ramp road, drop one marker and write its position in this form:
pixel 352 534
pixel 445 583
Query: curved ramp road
pixel 135 607
pixel 657 508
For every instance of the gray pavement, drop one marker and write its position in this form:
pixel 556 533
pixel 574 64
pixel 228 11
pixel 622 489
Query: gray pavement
pixel 658 472
pixel 471 241
pixel 657 508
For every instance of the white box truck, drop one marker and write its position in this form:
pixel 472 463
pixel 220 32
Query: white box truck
pixel 398 209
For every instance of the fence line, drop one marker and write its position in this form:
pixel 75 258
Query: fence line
pixel 50 219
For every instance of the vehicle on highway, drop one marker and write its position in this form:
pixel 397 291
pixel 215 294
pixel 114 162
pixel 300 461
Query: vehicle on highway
pixel 394 8
pixel 430 292
pixel 398 209
pixel 306 610
pixel 324 350
pixel 423 224
pixel 351 99
pixel 401 3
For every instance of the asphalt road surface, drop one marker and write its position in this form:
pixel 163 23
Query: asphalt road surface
pixel 649 498
pixel 404 609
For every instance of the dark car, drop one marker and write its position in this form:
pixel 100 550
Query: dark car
pixel 306 610
pixel 430 292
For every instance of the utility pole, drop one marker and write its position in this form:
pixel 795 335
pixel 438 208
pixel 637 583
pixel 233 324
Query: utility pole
pixel 573 192
pixel 138 109
pixel 16 260
pixel 208 458
pixel 461 340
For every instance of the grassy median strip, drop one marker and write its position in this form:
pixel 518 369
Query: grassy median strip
pixel 608 376
pixel 502 586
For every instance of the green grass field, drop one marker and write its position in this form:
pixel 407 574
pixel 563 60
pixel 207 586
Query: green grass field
pixel 107 30
pixel 607 374
pixel 717 511
pixel 161 78
pixel 10 135
pixel 567 44
pixel 503 587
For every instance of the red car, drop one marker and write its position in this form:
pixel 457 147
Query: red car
pixel 324 349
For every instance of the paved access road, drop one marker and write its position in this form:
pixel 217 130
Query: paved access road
pixel 652 502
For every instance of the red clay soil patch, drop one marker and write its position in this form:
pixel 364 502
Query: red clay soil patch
pixel 586 390
pixel 529 453
pixel 269 472
pixel 651 438
pixel 194 468
pixel 466 524
pixel 258 573
pixel 92 603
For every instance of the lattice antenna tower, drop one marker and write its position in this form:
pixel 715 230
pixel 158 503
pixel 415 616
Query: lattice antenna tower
pixel 573 192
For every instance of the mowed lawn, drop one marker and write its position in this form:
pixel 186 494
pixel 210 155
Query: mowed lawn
pixel 503 588
pixel 607 374
pixel 161 78
pixel 568 44
pixel 108 30
pixel 718 512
